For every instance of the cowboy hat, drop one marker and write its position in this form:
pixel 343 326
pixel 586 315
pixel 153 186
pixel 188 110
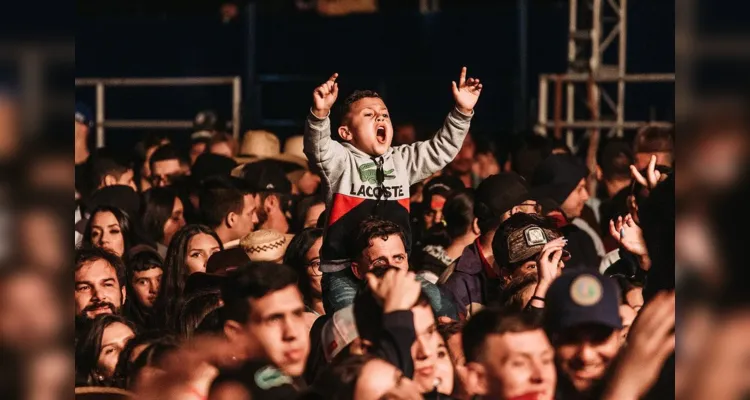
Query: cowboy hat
pixel 261 145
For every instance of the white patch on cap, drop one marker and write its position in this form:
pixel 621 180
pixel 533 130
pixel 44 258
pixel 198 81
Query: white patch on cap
pixel 586 290
pixel 535 236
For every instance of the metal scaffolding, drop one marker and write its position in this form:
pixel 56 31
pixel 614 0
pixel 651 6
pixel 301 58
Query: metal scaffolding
pixel 594 27
pixel 101 83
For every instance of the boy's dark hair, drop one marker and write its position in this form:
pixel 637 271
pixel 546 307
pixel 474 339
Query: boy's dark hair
pixel 88 253
pixel 106 162
pixel 448 330
pixel 218 197
pixel 625 285
pixel 371 228
pixel 615 160
pixel 357 95
pixel 529 152
pixel 252 281
pixel 513 293
pixel 458 213
pixel 368 312
pixel 492 322
pixel 653 139
pixel 163 153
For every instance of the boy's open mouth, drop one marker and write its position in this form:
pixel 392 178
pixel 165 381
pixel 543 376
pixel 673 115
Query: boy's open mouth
pixel 380 134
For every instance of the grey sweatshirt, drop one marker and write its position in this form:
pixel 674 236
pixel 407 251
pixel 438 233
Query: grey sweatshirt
pixel 357 185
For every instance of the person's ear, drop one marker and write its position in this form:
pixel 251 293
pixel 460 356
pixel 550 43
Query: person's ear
pixel 233 331
pixel 231 219
pixel 124 294
pixel 476 378
pixel 109 180
pixel 475 227
pixel 355 270
pixel 514 210
pixel 599 173
pixel 505 276
pixel 345 133
pixel 507 167
pixel 271 203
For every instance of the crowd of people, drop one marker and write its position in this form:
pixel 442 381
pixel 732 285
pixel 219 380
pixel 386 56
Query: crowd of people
pixel 348 267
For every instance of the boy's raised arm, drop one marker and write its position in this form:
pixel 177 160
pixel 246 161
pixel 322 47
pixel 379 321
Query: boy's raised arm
pixel 318 146
pixel 426 158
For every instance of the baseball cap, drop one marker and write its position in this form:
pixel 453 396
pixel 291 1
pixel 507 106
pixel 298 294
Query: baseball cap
pixel 84 115
pixel 582 297
pixel 209 164
pixel 202 281
pixel 442 185
pixel 498 194
pixel 267 176
pixel 556 177
pixel 223 261
pixel 338 332
pixel 524 242
pixel 204 124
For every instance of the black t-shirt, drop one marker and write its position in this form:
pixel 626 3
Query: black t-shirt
pixel 83 172
pixel 262 380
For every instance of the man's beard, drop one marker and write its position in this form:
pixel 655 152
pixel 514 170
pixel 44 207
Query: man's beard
pixel 98 305
pixel 262 218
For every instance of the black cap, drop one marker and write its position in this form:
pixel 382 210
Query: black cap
pixel 582 297
pixel 120 196
pixel 224 261
pixel 556 177
pixel 209 164
pixel 442 185
pixel 498 194
pixel 202 281
pixel 204 123
pixel 267 176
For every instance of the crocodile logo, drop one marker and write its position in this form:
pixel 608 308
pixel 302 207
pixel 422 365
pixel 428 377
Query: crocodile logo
pixel 368 173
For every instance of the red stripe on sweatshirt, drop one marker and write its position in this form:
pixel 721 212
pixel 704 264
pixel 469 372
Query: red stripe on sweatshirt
pixel 342 204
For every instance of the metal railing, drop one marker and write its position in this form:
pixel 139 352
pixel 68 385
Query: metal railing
pixel 101 83
pixel 558 123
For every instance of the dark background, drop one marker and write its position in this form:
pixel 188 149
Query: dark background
pixel 408 57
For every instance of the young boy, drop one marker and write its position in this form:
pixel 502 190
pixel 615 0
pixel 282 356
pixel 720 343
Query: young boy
pixel 365 176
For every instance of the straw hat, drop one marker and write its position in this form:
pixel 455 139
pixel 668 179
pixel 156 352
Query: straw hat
pixel 260 145
pixel 102 393
pixel 264 245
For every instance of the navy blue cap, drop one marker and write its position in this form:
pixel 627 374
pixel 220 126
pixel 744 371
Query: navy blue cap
pixel 84 114
pixel 582 297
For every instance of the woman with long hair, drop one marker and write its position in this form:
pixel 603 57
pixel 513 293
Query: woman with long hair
pixel 127 369
pixel 98 349
pixel 188 252
pixel 162 215
pixel 143 277
pixel 110 228
pixel 458 214
pixel 303 254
